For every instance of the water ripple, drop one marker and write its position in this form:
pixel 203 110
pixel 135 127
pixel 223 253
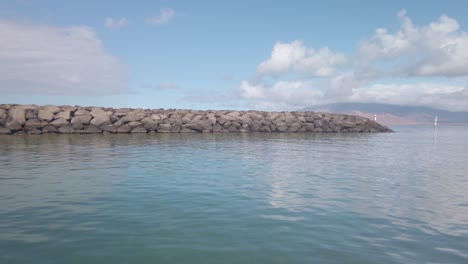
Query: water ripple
pixel 235 198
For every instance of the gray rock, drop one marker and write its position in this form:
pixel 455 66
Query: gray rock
pixel 101 120
pixel 109 128
pixel 35 132
pixel 82 119
pixel 90 130
pixel 31 114
pixel 32 124
pixel 113 118
pixel 59 122
pixel 309 127
pixel 4 131
pixel 281 126
pixel 77 126
pixel 134 124
pixel 164 128
pixel 198 126
pixel 134 116
pixel 232 128
pixel 187 130
pixel 139 130
pixel 98 112
pixel 49 129
pixel 17 113
pixel 3 114
pixel 5 107
pixel 294 127
pixel 255 126
pixel 124 129
pixel 13 125
pixel 64 114
pixel 66 130
pixel 176 128
pixel 218 128
pixel 273 127
pixel 45 114
pixel 265 129
pixel 82 112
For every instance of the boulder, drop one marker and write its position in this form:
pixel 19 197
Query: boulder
pixel 124 129
pixel 45 114
pixel 3 114
pixel 82 112
pixel 49 129
pixel 66 129
pixel 198 126
pixel 78 126
pixel 35 132
pixel 90 130
pixel 32 124
pixel 134 116
pixel 82 119
pixel 101 120
pixel 265 129
pixel 281 126
pixel 109 128
pixel 187 130
pixel 164 128
pixel 5 107
pixel 97 112
pixel 255 126
pixel 4 131
pixel 309 127
pixel 64 114
pixel 134 124
pixel 17 113
pixel 138 130
pixel 13 125
pixel 31 114
pixel 59 122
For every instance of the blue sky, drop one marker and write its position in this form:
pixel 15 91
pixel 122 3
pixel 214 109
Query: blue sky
pixel 272 55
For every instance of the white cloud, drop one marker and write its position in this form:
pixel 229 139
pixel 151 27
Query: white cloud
pixel 281 95
pixel 112 24
pixel 295 56
pixel 42 59
pixel 424 65
pixel 440 95
pixel 438 49
pixel 165 15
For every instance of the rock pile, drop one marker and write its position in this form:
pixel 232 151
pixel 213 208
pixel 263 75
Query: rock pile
pixel 32 119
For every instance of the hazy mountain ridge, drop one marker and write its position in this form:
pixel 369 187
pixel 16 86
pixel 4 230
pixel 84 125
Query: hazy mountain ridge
pixel 395 114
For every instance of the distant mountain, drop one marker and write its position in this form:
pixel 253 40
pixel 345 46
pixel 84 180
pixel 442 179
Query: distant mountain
pixel 388 114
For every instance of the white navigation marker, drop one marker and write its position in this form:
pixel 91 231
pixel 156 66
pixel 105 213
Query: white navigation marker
pixel 375 118
pixel 435 122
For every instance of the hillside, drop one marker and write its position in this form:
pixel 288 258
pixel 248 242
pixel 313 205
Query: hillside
pixel 388 114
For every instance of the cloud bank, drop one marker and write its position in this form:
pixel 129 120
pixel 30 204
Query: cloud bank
pixel 42 59
pixel 423 65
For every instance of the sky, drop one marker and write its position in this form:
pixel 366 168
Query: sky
pixel 264 55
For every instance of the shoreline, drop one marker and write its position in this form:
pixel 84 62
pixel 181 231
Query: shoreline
pixel 17 119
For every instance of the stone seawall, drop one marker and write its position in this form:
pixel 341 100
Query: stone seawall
pixel 32 119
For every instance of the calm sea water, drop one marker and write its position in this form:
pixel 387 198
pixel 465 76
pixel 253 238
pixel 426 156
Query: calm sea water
pixel 236 198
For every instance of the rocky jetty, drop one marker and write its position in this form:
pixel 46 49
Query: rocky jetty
pixel 35 120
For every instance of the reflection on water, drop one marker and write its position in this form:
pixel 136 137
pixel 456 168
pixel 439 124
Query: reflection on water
pixel 277 198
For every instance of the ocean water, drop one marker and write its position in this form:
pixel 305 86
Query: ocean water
pixel 236 198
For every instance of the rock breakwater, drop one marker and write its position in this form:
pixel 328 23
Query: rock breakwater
pixel 33 119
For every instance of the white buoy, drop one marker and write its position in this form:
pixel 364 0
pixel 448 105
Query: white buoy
pixel 375 118
pixel 435 122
